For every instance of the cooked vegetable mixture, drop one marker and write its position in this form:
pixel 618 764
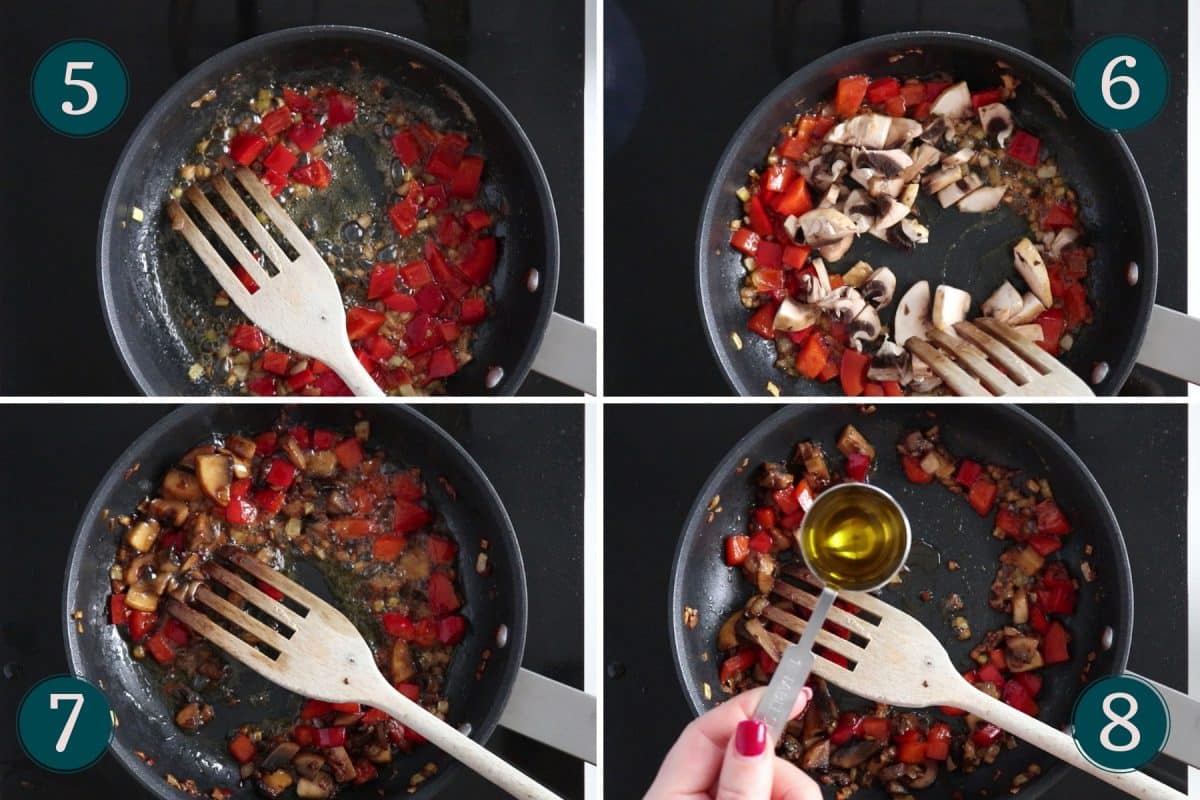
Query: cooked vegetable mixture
pixel 296 492
pixel 902 751
pixel 413 266
pixel 857 165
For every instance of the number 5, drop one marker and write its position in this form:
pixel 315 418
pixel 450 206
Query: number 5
pixel 88 87
pixel 61 744
pixel 1107 81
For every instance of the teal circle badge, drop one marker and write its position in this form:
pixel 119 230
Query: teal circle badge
pixel 64 724
pixel 1121 82
pixel 1121 722
pixel 79 87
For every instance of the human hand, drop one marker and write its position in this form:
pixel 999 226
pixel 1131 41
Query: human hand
pixel 725 755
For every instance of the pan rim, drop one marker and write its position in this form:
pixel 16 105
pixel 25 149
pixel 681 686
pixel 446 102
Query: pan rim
pixel 181 89
pixel 1122 640
pixel 139 769
pixel 713 195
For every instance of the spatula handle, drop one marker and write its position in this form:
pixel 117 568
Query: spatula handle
pixel 459 746
pixel 1058 744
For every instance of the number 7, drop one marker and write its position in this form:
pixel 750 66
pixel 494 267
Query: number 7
pixel 61 744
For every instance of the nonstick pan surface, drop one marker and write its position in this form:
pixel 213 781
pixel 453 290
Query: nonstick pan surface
pixel 944 528
pixel 151 285
pixel 970 251
pixel 100 655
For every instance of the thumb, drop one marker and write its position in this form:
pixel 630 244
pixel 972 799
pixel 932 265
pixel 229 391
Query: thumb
pixel 749 765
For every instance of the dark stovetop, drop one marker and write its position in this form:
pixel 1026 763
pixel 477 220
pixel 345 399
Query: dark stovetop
pixel 681 75
pixel 529 52
pixel 1146 485
pixel 63 451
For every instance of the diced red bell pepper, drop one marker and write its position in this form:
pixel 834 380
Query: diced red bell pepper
pixel 813 357
pixel 913 93
pixel 762 321
pixel 241 511
pixel 986 735
pixel 951 711
pixel 352 527
pixel 478 265
pixel 795 255
pixel 242 748
pixel 764 516
pixel 895 106
pixel 442 364
pixel 935 88
pixel 937 743
pixel 760 223
pixel 1024 147
pixel 387 547
pixel 465 183
pixel 745 240
pixel 269 501
pixel 877 728
pixel 473 311
pixel 315 174
pixel 305 735
pixel 849 726
pixel 1075 305
pixel 794 200
pixel 882 89
pixel 334 736
pixel 1054 644
pixel 118 614
pixel 442 597
pixel 736 549
pixel 989 673
pixel 736 664
pixel 912 752
pixel 442 550
pixel 477 219
pixel 160 647
pixel 425 632
pixel 1038 621
pixel 276 121
pixel 968 471
pixel 305 134
pixel 315 709
pixel 452 629
pixel 892 389
pixel 761 542
pixel 275 362
pixel 430 299
pixel 857 465
pixel 854 372
pixel 342 108
pixel 276 182
pixel 777 177
pixel 1053 322
pixel 913 471
pixel 982 495
pixel 407 148
pixel 176 632
pixel 1050 519
pixel 243 275
pixel 767 280
pixel 416 274
pixel 1016 695
pixel 245 147
pixel 383 280
pixel 399 301
pixel 1045 545
pixel 398 626
pixel 349 453
pixel 280 474
pixel 141 623
pixel 296 101
pixel 373 715
pixel 362 322
pixel 1058 215
pixel 247 337
pixel 1057 599
pixel 850 93
pixel 1031 681
pixel 985 98
pixel 786 500
pixel 1009 521
pixel 449 231
pixel 407 516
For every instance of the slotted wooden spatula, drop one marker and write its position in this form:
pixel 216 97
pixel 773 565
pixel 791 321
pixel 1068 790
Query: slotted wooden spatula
pixel 990 358
pixel 300 305
pixel 325 657
pixel 902 663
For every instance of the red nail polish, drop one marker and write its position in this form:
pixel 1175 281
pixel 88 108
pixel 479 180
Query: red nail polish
pixel 751 738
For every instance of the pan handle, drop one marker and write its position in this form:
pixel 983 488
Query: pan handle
pixel 552 713
pixel 1183 743
pixel 568 353
pixel 1166 345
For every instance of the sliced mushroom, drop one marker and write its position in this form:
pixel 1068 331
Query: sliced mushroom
pixel 727 635
pixel 1032 268
pixel 908 195
pixel 172 512
pixel 308 764
pixel 1004 304
pixel 823 226
pixel 954 102
pixel 401 662
pixel 1064 237
pixel 958 190
pixel 844 304
pixel 890 212
pixel 852 755
pixel 959 158
pixel 791 224
pixel 880 186
pixel 1031 331
pixel 936 181
pixel 861 209
pixel 997 121
pixel 923 157
pixel 834 252
pixel 857 275
pixel 215 473
pixel 863 176
pixel 912 313
pixel 888 362
pixel 934 131
pixel 910 233
pixel 888 163
pixel 793 316
pixel 1031 309
pixel 180 485
pixel 1021 653
pixel 865 130
pixel 822 274
pixel 318 787
pixel 281 755
pixel 811 289
pixel 982 200
pixel 343 767
pixel 830 198
pixel 141 535
pixel 950 306
pixel 901 131
pixel 879 287
pixel 864 328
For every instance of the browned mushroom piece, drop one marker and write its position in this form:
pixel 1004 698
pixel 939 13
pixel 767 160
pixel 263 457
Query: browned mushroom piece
pixel 215 473
pixel 194 716
pixel 816 471
pixel 816 757
pixel 1021 653
pixel 855 753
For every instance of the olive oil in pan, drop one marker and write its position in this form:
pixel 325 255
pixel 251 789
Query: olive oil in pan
pixel 854 537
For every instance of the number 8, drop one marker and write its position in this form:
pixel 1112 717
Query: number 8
pixel 1122 722
pixel 89 88
pixel 1107 80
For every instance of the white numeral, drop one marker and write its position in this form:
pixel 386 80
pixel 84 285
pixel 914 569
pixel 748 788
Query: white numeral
pixel 1122 722
pixel 1108 80
pixel 88 87
pixel 63 738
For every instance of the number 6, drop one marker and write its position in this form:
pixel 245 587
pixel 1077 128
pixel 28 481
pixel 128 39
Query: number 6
pixel 1107 80
pixel 88 87
pixel 65 736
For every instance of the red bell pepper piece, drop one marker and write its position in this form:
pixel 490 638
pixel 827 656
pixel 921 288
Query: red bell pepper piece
pixel 280 474
pixel 968 471
pixel 342 108
pixel 315 174
pixel 465 183
pixel 242 748
pixel 269 500
pixel 850 93
pixel 986 735
pixel 767 280
pixel 935 88
pixel 407 148
pixel 794 200
pixel 451 630
pixel 857 465
pixel 1016 695
pixel 473 311
pixel 937 743
pixel 761 542
pixel 160 647
pixel 331 737
pixel 478 265
pixel 883 89
pixel 118 614
pixel 760 223
pixel 985 98
pixel 1075 305
pixel 786 500
pixel 736 549
pixel 241 511
pixel 362 322
pixel 407 486
pixel 245 147
pixel 430 299
pixel 1054 644
pixel 276 182
pixel 1031 681
pixel 762 321
pixel 399 301
pixel 305 134
pixel 913 93
pixel 296 101
pixel 276 121
pixel 1024 148
pixel 764 517
pixel 813 357
pixel 745 240
pixel 877 728
pixel 795 255
pixel 247 337
pixel 1045 545
pixel 913 470
pixel 383 280
pixel 416 274
pixel 849 726
pixel 141 623
pixel 387 547
pixel 398 626
pixel 1050 519
pixel 854 372
pixel 175 632
pixel 1038 621
pixel 442 597
pixel 442 364
pixel 982 495
pixel 766 663
pixel 1058 215
pixel 407 517
pixel 912 752
pixel 892 389
pixel 1010 521
pixel 777 177
pixel 305 735
pixel 244 276
pixel 477 219
pixel 989 673
pixel 736 664
pixel 442 550
pixel 275 362
pixel 349 453
pixel 1053 322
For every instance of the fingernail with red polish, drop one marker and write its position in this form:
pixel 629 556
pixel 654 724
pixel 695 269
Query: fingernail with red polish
pixel 751 738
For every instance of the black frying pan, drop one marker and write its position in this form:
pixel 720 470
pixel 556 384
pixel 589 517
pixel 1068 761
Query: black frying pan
pixel 944 528
pixel 970 251
pixel 101 656
pixel 150 282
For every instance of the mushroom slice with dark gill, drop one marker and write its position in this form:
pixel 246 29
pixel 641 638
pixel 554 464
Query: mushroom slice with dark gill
pixel 954 102
pixel 983 199
pixel 1032 268
pixel 823 226
pixel 844 304
pixel 879 287
pixel 864 328
pixel 997 121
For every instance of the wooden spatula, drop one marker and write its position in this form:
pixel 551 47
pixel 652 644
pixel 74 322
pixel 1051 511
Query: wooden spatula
pixel 902 663
pixel 990 358
pixel 300 305
pixel 325 657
